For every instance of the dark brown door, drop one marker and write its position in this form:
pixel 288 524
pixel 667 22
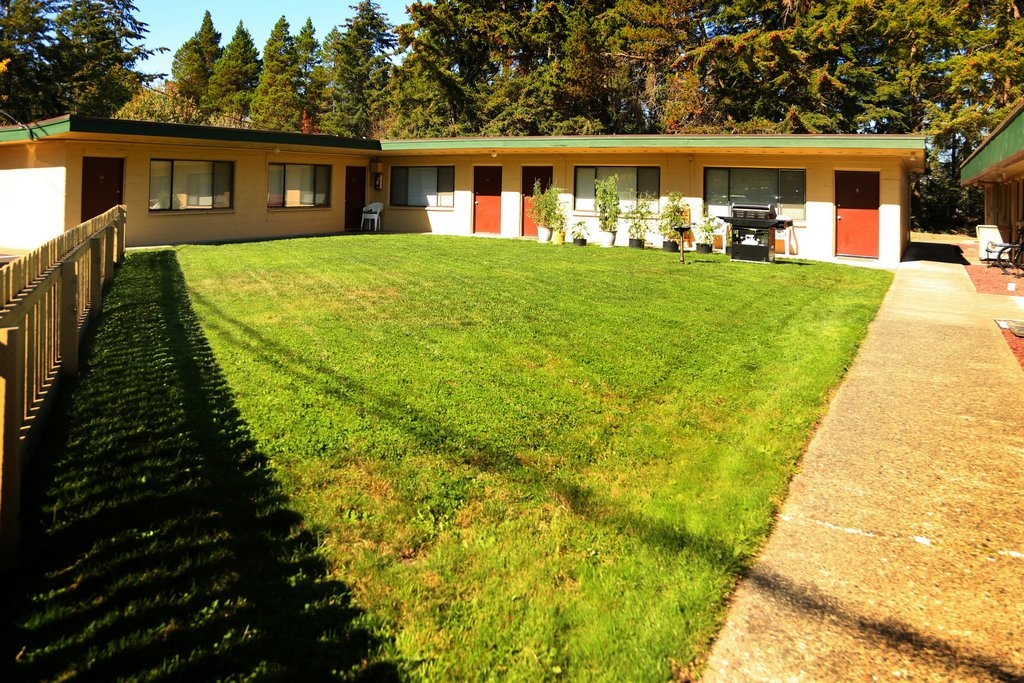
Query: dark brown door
pixel 532 174
pixel 857 213
pixel 355 196
pixel 102 182
pixel 487 199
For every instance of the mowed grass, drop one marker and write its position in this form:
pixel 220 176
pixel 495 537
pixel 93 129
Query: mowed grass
pixel 499 459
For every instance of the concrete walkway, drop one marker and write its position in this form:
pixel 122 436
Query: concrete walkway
pixel 899 553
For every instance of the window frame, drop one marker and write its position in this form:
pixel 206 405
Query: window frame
pixel 218 184
pixel 784 179
pixel 627 195
pixel 443 196
pixel 321 185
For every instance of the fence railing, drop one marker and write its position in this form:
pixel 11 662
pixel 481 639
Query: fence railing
pixel 48 298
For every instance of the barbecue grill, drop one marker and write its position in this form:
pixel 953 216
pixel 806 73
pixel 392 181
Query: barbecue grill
pixel 753 231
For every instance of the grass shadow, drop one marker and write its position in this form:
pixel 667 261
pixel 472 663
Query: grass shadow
pixel 434 432
pixel 156 543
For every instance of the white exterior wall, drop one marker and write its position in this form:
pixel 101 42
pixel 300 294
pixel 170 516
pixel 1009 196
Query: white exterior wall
pixel 32 196
pixel 27 224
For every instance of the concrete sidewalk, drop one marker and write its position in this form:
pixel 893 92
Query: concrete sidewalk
pixel 899 553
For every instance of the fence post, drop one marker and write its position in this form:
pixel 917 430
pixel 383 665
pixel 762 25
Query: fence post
pixel 95 275
pixel 68 319
pixel 12 412
pixel 122 218
pixel 109 237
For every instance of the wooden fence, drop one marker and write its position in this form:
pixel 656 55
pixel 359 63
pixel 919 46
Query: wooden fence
pixel 48 298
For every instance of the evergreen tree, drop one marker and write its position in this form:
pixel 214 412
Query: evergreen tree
pixel 358 73
pixel 234 80
pixel 25 34
pixel 194 62
pixel 311 79
pixel 276 104
pixel 97 46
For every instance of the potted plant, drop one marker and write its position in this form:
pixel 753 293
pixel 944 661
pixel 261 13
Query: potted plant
pixel 579 234
pixel 638 220
pixel 675 215
pixel 547 212
pixel 706 233
pixel 606 202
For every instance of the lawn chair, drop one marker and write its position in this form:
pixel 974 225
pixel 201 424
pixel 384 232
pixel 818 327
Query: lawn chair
pixel 371 213
pixel 1009 255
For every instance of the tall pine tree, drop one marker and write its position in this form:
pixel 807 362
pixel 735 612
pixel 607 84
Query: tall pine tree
pixel 234 80
pixel 310 82
pixel 276 104
pixel 194 61
pixel 359 73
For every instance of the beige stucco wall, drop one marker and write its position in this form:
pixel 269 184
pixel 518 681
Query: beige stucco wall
pixel 813 237
pixel 57 197
pixel 248 219
pixel 32 195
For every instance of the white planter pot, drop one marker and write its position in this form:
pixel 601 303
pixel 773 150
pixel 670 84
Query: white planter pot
pixel 605 238
pixel 543 234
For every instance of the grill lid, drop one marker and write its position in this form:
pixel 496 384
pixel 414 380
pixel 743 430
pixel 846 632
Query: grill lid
pixel 761 211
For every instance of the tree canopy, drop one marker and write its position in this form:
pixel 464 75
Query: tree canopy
pixel 950 69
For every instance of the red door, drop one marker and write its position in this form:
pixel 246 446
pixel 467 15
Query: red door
pixel 355 196
pixel 102 181
pixel 857 213
pixel 531 174
pixel 487 199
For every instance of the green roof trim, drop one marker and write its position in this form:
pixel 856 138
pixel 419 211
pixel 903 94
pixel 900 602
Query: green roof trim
pixel 915 143
pixel 1004 145
pixel 73 123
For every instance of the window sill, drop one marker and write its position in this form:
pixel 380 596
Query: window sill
pixel 187 212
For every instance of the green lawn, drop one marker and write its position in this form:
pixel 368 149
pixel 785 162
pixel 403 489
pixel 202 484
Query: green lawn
pixel 423 457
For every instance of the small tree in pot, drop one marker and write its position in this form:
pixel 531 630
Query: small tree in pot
pixel 706 234
pixel 675 215
pixel 547 211
pixel 606 202
pixel 579 234
pixel 638 220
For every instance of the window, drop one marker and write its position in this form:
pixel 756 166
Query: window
pixel 631 182
pixel 783 187
pixel 177 185
pixel 298 185
pixel 423 186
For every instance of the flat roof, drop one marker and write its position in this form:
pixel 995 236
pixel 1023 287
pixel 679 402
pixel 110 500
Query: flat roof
pixel 666 142
pixel 73 123
pixel 1003 147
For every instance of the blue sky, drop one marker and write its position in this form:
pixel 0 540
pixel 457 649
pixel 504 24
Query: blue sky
pixel 172 22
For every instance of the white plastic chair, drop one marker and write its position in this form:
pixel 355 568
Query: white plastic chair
pixel 371 213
